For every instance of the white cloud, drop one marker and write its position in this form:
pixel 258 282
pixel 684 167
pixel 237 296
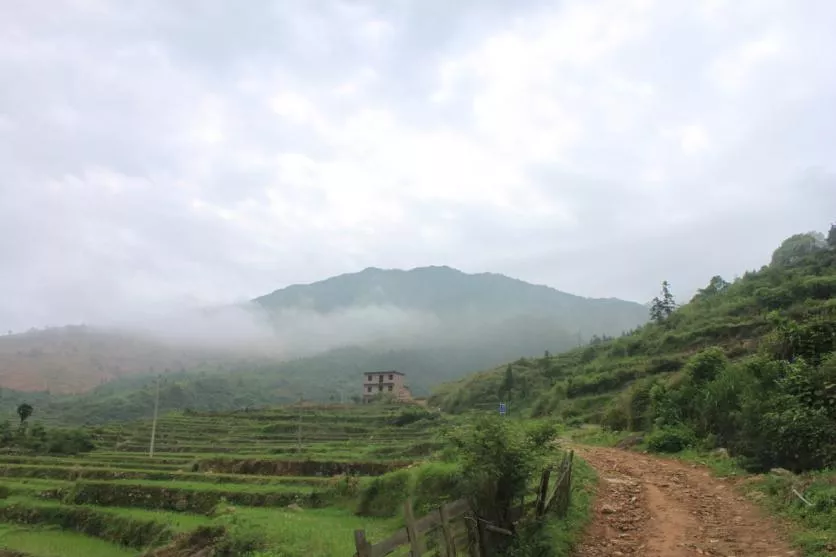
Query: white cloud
pixel 157 153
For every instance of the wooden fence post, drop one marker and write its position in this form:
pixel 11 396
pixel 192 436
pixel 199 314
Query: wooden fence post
pixel 569 481
pixel 484 544
pixel 449 542
pixel 364 549
pixel 472 522
pixel 543 492
pixel 415 542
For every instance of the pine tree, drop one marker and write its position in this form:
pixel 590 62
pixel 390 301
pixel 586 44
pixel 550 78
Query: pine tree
pixel 662 308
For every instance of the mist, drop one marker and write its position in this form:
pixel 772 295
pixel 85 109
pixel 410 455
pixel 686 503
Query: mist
pixel 248 329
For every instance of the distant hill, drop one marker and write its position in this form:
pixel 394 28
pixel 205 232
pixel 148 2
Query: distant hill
pixel 475 319
pixel 433 323
pixel 76 358
pixel 452 294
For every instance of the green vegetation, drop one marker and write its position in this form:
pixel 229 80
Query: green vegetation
pixel 266 483
pixel 746 365
pixel 116 500
pixel 40 440
pixel 44 542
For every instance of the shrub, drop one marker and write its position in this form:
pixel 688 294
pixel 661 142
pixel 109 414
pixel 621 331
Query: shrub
pixel 411 415
pixel 615 417
pixel 671 439
pixel 497 460
pixel 384 495
pixel 436 483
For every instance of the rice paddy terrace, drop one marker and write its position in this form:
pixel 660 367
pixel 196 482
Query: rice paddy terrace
pixel 265 473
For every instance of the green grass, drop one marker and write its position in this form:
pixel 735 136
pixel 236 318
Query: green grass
pixel 48 542
pixel 117 489
pixel 323 532
pixel 176 521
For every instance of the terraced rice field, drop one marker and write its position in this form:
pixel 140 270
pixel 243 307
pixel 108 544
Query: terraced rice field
pixel 243 473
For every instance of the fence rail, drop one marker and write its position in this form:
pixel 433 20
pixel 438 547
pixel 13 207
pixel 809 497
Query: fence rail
pixel 460 531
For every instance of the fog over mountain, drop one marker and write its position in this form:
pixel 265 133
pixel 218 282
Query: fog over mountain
pixel 476 319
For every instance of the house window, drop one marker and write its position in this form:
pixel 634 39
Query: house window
pixel 390 388
pixel 370 389
pixel 380 378
pixel 390 378
pixel 380 388
pixel 370 377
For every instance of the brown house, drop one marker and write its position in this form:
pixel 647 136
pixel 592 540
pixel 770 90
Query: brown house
pixel 385 382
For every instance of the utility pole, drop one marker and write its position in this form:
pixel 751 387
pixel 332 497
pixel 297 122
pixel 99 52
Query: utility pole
pixel 154 423
pixel 299 426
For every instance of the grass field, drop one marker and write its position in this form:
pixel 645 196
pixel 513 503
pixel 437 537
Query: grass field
pixel 271 474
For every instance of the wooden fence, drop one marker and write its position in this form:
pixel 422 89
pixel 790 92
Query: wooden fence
pixel 455 529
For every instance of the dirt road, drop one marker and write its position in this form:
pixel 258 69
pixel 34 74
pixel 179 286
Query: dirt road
pixel 655 507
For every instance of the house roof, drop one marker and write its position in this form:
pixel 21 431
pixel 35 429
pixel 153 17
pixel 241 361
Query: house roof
pixel 383 372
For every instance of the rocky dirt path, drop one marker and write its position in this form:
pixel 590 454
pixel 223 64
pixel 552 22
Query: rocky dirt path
pixel 654 507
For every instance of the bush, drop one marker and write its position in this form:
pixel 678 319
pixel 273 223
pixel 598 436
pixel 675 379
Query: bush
pixel 498 460
pixel 670 439
pixel 436 483
pixel 411 415
pixel 384 495
pixel 615 417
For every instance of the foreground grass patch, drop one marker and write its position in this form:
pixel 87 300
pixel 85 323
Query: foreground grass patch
pixel 324 532
pixel 45 542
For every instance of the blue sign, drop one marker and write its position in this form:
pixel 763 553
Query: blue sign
pixel 501 408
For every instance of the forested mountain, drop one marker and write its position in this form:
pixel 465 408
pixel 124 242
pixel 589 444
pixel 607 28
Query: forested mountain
pixel 747 365
pixel 432 323
pixel 457 297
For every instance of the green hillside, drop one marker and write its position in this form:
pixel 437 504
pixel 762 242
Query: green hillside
pixel 746 365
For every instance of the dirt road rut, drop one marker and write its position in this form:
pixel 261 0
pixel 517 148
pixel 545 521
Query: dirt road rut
pixel 655 507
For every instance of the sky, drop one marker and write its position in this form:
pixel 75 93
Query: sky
pixel 194 152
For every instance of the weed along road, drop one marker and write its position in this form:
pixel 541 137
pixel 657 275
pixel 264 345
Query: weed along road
pixel 656 507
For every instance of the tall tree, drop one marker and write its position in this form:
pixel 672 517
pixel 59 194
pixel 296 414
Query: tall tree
pixel 663 307
pixel 24 411
pixel 831 236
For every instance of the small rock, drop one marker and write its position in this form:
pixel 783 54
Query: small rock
pixel 294 507
pixel 608 509
pixel 781 472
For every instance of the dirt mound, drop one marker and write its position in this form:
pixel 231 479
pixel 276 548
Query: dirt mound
pixel 655 507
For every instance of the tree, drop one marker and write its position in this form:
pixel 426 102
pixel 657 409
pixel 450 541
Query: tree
pixel 499 459
pixel 717 285
pixel 662 308
pixel 794 248
pixel 831 236
pixel 24 411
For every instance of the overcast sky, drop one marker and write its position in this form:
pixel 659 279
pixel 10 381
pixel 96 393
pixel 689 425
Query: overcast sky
pixel 204 151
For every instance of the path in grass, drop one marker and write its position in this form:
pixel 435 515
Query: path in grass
pixel 656 507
